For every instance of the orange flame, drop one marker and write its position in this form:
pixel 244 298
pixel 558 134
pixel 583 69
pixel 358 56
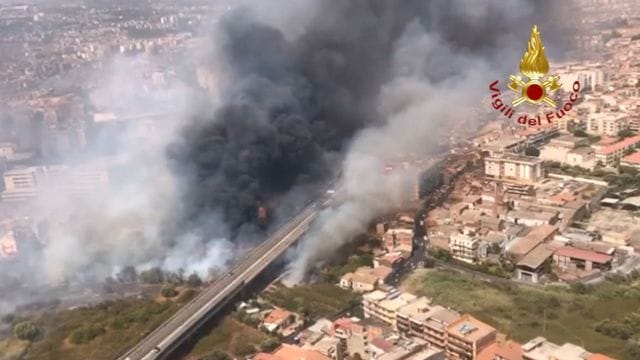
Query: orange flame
pixel 534 63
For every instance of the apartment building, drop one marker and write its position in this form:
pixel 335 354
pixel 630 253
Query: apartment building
pixel 609 124
pixel 467 248
pixel 428 322
pixel 590 77
pixel 514 167
pixel 609 155
pixel 383 306
pixel 398 239
pixel 410 317
pixel 467 336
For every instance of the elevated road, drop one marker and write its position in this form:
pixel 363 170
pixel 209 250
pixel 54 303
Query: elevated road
pixel 160 343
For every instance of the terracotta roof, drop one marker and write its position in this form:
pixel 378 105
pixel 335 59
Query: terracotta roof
pixel 292 352
pixel 382 344
pixel 265 356
pixel 620 145
pixel 633 158
pixel 600 357
pixel 509 350
pixel 581 254
pixel 524 245
pixel 536 257
pixel 607 140
pixel 277 316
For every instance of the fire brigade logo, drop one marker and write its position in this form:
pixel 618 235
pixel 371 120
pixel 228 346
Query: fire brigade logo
pixel 533 86
pixel 534 66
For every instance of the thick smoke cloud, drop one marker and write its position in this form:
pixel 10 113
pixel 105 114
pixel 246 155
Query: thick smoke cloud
pixel 302 86
pixel 305 91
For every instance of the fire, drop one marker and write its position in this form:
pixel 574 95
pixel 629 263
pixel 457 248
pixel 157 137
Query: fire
pixel 534 63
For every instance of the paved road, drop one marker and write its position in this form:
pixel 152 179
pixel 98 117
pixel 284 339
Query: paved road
pixel 163 340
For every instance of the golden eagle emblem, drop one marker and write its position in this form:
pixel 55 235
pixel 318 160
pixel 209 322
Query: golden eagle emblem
pixel 534 66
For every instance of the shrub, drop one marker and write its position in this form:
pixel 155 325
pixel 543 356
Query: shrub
pixel 152 276
pixel 244 349
pixel 8 318
pixel 169 291
pixel 85 334
pixel 579 288
pixel 217 355
pixel 194 280
pixel 269 345
pixel 26 330
pixel 614 329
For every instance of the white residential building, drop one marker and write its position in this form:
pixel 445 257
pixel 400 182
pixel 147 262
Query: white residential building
pixel 467 248
pixel 515 167
pixel 609 124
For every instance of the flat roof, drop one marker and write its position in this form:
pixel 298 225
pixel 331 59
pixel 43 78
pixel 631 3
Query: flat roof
pixel 516 158
pixel 443 315
pixel 582 150
pixel 20 171
pixel 375 295
pixel 417 310
pixel 470 328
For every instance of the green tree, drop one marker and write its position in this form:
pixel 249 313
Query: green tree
pixel 625 133
pixel 128 274
pixel 632 350
pixel 26 330
pixel 168 291
pixel 85 334
pixel 244 349
pixel 217 355
pixel 269 345
pixel 494 248
pixel 8 318
pixel 194 280
pixel 580 133
pixel 152 276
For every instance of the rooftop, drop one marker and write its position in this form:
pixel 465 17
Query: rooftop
pixel 375 295
pixel 536 257
pixel 523 159
pixel 470 328
pixel 524 245
pixel 292 352
pixel 586 255
pixel 620 145
pixel 443 315
pixel 633 158
pixel 581 150
pixel 277 316
pixel 417 310
pixel 396 303
pixel 507 350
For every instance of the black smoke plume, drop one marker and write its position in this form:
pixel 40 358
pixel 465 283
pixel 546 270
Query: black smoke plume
pixel 288 103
